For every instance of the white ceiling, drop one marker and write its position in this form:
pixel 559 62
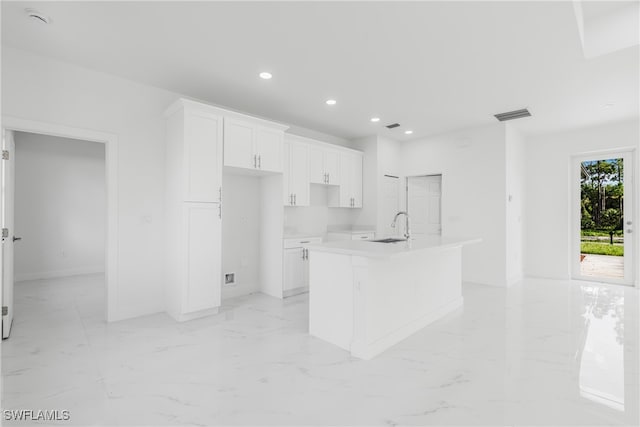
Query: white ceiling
pixel 431 66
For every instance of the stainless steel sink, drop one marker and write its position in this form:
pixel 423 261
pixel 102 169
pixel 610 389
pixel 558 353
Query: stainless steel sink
pixel 389 240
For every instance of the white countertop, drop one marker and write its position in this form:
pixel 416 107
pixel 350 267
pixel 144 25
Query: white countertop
pixel 351 229
pixel 382 250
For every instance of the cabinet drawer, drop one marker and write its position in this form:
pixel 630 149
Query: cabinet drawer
pixel 301 242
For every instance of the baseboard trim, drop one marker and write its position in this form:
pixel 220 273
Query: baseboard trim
pixel 59 273
pixel 195 315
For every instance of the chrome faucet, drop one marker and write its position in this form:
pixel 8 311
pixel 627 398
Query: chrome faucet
pixel 407 233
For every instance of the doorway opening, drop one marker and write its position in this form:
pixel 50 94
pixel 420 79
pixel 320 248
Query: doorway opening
pixel 424 204
pixel 603 245
pixel 60 216
pixel 41 263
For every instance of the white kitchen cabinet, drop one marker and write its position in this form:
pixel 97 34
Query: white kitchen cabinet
pixel 248 145
pixel 193 210
pixel 350 193
pixel 202 257
pixel 296 265
pixel 324 165
pixel 295 173
pixel 295 270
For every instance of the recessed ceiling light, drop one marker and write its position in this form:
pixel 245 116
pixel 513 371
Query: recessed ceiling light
pixel 375 119
pixel 37 16
pixel 408 132
pixel 265 75
pixel 330 102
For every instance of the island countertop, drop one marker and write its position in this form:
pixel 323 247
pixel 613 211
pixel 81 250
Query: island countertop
pixel 386 250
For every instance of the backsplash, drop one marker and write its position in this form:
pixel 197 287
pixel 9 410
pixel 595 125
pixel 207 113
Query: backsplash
pixel 316 218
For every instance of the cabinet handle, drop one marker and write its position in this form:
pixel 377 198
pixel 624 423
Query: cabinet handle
pixel 295 200
pixel 328 178
pixel 303 253
pixel 255 161
pixel 220 210
pixel 260 161
pixel 220 194
pixel 325 178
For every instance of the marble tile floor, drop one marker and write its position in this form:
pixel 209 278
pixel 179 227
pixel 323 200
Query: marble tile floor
pixel 539 353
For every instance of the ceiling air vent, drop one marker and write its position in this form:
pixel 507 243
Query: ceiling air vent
pixel 512 115
pixel 393 125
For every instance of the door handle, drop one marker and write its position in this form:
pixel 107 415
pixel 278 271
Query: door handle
pixel 628 231
pixel 15 239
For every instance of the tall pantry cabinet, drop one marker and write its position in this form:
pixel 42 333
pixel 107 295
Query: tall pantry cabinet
pixel 194 138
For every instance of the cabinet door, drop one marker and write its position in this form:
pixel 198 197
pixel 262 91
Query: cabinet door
pixel 238 144
pixel 202 256
pixel 346 165
pixel 299 180
pixel 268 146
pixel 316 165
pixel 202 157
pixel 332 166
pixel 287 198
pixel 356 180
pixel 294 269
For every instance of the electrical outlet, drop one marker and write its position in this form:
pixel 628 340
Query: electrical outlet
pixel 230 279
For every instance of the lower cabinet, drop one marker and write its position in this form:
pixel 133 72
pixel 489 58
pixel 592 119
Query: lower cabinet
pixel 194 270
pixel 296 266
pixel 203 256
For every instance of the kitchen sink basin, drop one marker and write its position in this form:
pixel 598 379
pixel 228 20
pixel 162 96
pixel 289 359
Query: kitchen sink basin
pixel 389 240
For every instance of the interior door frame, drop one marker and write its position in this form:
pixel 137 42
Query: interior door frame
pixel 111 169
pixel 424 175
pixel 631 262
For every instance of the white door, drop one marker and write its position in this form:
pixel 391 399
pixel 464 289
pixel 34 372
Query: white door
pixel 332 166
pixel 294 268
pixel 346 169
pixel 238 145
pixel 202 149
pixel 596 255
pixel 317 174
pixel 424 194
pixel 203 256
pixel 8 189
pixel 300 174
pixel 268 147
pixel 356 181
pixel 287 184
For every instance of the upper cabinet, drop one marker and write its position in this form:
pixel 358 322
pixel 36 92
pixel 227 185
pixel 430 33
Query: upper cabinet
pixel 350 191
pixel 195 152
pixel 295 173
pixel 324 165
pixel 253 144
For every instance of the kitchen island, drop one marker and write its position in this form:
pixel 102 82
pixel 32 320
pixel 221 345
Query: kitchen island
pixel 366 296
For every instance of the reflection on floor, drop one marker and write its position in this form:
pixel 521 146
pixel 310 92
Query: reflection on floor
pixel 605 266
pixel 541 352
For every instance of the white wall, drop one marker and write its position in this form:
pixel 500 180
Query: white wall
pixel 472 164
pixel 515 198
pixel 548 158
pixel 37 88
pixel 388 164
pixel 241 233
pixel 60 207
